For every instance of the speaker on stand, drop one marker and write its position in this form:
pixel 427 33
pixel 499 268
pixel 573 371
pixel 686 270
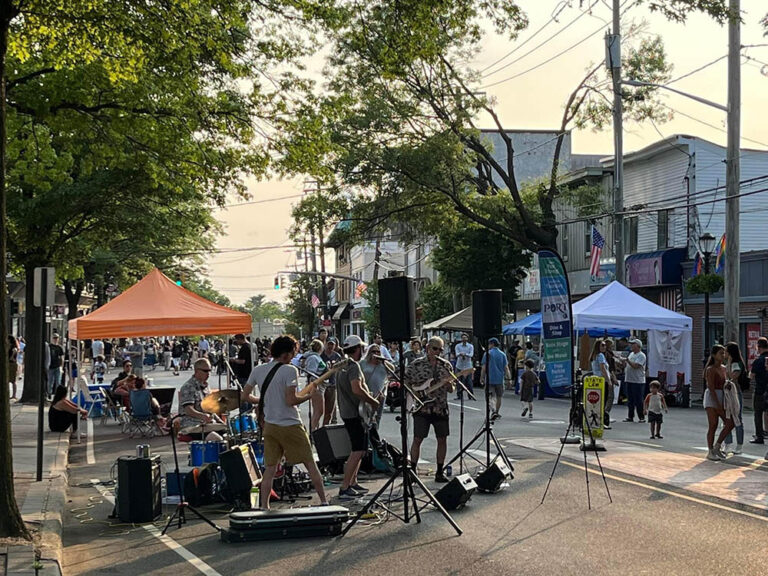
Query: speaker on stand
pixel 396 299
pixel 486 313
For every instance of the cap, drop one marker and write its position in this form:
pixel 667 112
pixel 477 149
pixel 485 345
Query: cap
pixel 493 341
pixel 635 341
pixel 352 340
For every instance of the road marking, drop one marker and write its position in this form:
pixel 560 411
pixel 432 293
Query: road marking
pixel 640 443
pixel 535 421
pixel 89 457
pixel 465 406
pixel 167 540
pixel 671 493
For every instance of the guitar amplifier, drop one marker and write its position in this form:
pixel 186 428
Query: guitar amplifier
pixel 256 525
pixel 138 496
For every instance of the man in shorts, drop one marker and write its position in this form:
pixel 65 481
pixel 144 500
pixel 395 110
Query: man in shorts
pixel 435 412
pixel 284 434
pixel 498 371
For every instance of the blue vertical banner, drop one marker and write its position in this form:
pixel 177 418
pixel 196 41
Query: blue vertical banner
pixel 557 319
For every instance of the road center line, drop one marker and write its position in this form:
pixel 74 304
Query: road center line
pixel 89 456
pixel 167 540
pixel 671 493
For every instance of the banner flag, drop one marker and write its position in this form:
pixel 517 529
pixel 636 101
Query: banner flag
pixel 557 319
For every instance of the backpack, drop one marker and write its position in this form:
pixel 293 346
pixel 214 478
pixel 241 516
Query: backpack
pixel 743 378
pixel 201 485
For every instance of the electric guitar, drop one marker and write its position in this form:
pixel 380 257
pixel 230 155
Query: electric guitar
pixel 367 412
pixel 424 390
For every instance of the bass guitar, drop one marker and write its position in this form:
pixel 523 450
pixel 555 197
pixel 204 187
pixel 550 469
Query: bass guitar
pixel 367 412
pixel 424 390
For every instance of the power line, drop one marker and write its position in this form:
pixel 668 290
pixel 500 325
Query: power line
pixel 699 69
pixel 264 200
pixel 705 123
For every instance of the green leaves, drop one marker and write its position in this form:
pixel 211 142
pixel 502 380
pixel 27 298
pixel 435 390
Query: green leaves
pixel 705 284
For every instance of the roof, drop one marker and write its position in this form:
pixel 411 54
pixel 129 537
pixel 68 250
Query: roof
pixel 156 306
pixel 461 320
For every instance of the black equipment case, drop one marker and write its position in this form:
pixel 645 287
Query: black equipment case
pixel 256 525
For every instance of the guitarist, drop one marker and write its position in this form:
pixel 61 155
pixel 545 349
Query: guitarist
pixel 351 390
pixel 434 413
pixel 283 431
pixel 376 378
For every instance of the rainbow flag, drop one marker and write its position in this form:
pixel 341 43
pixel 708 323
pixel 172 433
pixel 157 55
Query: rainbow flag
pixel 720 255
pixel 698 264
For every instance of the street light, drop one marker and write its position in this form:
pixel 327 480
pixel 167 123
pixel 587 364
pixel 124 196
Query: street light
pixel 640 84
pixel 707 246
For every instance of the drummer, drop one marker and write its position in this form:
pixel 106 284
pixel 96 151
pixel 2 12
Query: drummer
pixel 194 422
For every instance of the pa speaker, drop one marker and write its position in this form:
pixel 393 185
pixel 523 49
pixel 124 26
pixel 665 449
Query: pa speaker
pixel 486 313
pixel 138 489
pixel 491 478
pixel 398 309
pixel 457 492
pixel 332 444
pixel 240 468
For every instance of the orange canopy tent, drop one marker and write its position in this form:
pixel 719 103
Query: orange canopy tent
pixel 156 306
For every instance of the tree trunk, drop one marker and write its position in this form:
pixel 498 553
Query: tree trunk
pixel 11 524
pixel 73 294
pixel 33 353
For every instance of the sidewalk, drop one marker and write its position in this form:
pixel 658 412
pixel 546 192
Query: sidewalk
pixel 738 481
pixel 41 503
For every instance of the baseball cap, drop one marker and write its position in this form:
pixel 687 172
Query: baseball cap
pixel 352 340
pixel 635 341
pixel 493 341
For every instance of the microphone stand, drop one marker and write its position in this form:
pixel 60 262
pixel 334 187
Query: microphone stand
pixel 461 421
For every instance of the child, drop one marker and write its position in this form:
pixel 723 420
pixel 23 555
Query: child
pixel 99 370
pixel 528 380
pixel 653 405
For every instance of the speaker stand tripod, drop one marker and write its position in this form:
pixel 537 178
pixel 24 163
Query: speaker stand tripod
pixel 180 513
pixel 486 430
pixel 404 471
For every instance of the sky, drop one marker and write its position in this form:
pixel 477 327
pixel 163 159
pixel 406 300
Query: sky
pixel 534 99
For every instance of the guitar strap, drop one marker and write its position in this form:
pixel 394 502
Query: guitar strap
pixel 263 394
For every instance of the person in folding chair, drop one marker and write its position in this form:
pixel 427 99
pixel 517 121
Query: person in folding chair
pixel 145 411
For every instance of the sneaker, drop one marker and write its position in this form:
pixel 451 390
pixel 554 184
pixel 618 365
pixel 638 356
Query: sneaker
pixel 739 449
pixel 525 411
pixel 653 437
pixel 756 440
pixel 642 420
pixel 359 489
pixel 719 451
pixel 440 478
pixel 494 415
pixel 607 427
pixel 628 420
pixel 712 455
pixel 530 415
pixel 348 494
pixel 659 436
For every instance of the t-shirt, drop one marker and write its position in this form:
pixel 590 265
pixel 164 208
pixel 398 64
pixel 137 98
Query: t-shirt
pixel 97 347
pixel 57 353
pixel 315 364
pixel 100 368
pixel 349 403
pixel 191 393
pixel 375 377
pixel 528 380
pixel 276 411
pixel 329 361
pixel 760 373
pixel 203 345
pixel 597 362
pixel 243 370
pixel 635 375
pixel 654 403
pixel 464 354
pixel 496 366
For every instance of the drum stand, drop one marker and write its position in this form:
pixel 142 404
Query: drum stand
pixel 404 470
pixel 180 513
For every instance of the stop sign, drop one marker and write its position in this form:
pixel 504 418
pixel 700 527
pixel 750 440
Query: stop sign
pixel 593 397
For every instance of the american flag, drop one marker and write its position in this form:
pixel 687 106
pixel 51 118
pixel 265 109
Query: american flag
pixel 315 301
pixel 597 249
pixel 359 289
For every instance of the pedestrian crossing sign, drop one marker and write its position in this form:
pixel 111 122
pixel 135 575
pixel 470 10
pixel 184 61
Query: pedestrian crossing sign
pixel 594 399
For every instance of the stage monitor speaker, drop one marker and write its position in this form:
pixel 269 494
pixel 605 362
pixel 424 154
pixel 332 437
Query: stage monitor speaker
pixel 240 468
pixel 332 444
pixel 490 479
pixel 138 496
pixel 486 313
pixel 398 308
pixel 457 492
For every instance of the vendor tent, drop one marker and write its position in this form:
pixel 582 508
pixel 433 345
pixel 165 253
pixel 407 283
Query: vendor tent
pixel 616 306
pixel 157 306
pixel 531 326
pixel 461 320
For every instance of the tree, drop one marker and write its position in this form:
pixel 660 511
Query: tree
pixel 300 311
pixel 65 41
pixel 436 301
pixel 262 309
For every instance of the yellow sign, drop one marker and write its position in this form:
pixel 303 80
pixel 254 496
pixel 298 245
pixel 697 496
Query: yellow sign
pixel 594 400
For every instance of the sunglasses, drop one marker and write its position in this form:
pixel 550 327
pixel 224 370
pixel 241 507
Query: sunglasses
pixel 204 369
pixel 436 349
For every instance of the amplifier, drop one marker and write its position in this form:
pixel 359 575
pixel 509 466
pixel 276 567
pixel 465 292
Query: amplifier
pixel 332 444
pixel 138 497
pixel 258 525
pixel 457 492
pixel 490 479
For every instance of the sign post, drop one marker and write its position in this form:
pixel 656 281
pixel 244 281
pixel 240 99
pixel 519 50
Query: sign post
pixel 43 295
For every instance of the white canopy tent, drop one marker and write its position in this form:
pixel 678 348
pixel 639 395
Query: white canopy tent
pixel 669 333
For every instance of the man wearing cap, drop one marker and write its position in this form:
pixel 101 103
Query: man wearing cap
pixel 243 363
pixel 194 422
pixel 634 376
pixel 464 353
pixel 351 390
pixel 498 372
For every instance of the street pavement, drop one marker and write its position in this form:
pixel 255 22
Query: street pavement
pixel 673 511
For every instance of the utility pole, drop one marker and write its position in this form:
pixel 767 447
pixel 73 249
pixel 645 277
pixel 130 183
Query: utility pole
pixel 613 62
pixel 732 177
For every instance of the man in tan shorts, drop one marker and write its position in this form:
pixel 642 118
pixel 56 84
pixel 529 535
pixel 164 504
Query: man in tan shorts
pixel 284 434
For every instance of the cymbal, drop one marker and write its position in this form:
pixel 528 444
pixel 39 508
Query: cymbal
pixel 221 401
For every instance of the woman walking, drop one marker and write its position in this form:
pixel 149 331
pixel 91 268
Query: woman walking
pixel 735 368
pixel 715 377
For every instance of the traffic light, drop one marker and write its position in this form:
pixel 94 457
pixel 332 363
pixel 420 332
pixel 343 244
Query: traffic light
pixel 277 282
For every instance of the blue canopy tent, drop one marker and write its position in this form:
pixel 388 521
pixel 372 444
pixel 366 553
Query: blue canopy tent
pixel 531 326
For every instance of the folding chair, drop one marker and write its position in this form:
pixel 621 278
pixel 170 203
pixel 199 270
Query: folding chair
pixel 111 409
pixel 90 400
pixel 140 418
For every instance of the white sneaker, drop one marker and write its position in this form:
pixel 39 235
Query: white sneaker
pixel 712 455
pixel 738 449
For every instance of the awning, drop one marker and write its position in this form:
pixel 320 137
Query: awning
pixel 459 321
pixel 659 268
pixel 339 314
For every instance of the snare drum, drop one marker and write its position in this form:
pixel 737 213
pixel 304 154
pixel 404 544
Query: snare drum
pixel 197 453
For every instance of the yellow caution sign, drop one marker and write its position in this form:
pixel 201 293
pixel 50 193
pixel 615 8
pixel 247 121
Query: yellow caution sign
pixel 594 400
